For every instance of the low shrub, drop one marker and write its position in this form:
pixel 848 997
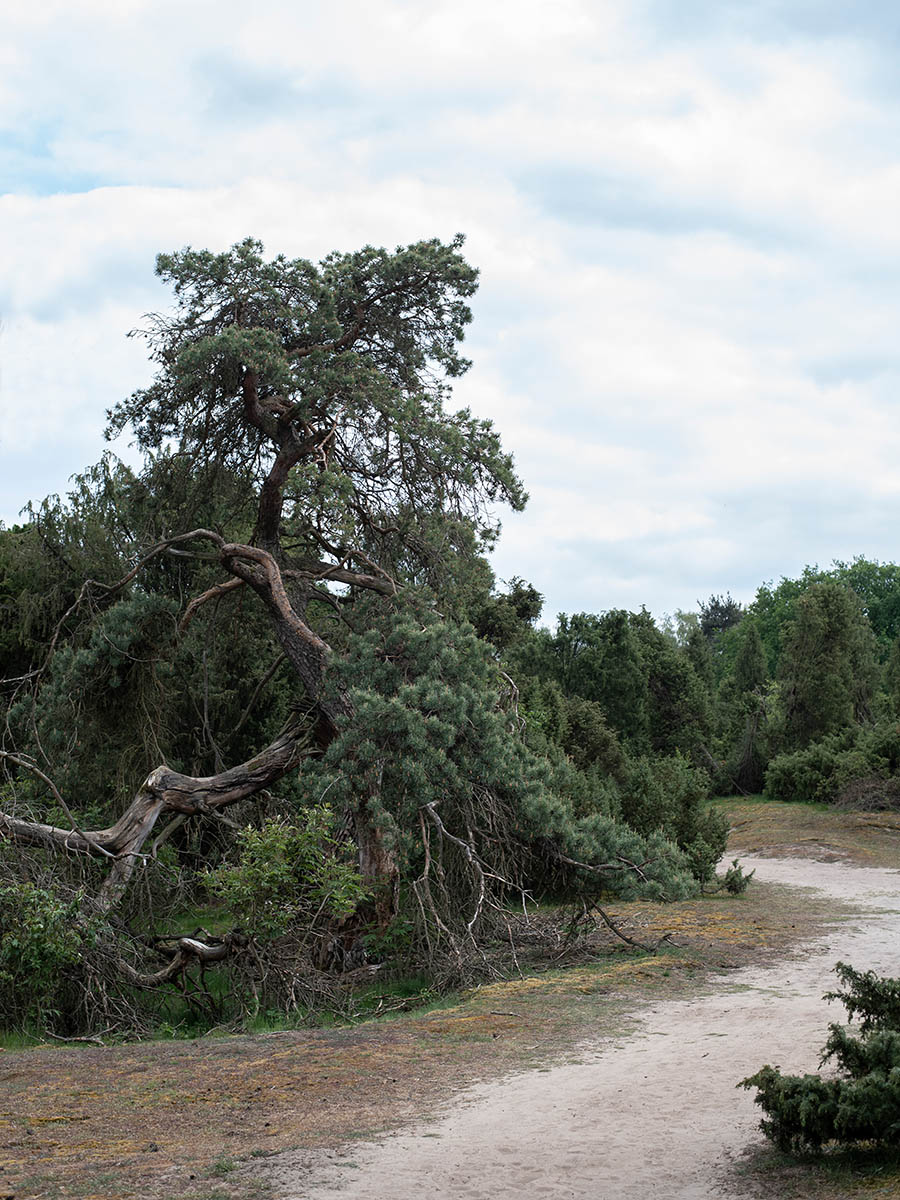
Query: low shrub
pixel 41 941
pixel 288 874
pixel 862 1104
pixel 834 766
pixel 669 796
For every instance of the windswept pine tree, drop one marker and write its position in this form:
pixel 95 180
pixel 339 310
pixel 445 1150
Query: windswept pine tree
pixel 267 619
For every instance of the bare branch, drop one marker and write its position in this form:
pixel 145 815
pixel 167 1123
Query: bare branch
pixel 26 765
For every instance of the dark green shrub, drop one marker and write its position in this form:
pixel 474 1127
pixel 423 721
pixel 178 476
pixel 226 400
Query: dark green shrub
pixel 807 775
pixel 873 997
pixel 825 770
pixel 736 880
pixel 806 1112
pixel 669 796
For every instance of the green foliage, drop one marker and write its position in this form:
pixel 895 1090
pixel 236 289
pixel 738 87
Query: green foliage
pixel 874 998
pixel 44 562
pixel 668 796
pixel 699 655
pixel 646 685
pixel 588 740
pixel 599 659
pixel 749 674
pixel 804 1113
pixel 828 667
pixel 736 880
pixel 508 618
pixel 543 708
pixel 824 770
pixel 876 586
pixel 288 875
pixel 428 730
pixel 892 677
pixel 41 939
pixel 361 345
pixel 677 702
pixel 718 614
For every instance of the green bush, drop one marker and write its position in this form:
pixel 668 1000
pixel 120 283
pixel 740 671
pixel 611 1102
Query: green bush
pixel 288 874
pixel 669 796
pixel 736 880
pixel 828 768
pixel 41 939
pixel 806 1112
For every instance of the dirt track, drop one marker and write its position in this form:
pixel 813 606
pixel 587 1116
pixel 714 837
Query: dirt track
pixel 655 1116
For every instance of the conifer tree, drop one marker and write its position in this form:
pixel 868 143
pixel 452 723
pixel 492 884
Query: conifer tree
pixel 828 667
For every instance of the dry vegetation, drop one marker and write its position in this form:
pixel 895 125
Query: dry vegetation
pixel 183 1116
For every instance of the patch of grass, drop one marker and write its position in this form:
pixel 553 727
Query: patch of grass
pixel 760 825
pixel 221 1168
pixel 761 798
pixel 838 1175
pixel 98 1185
pixel 21 1039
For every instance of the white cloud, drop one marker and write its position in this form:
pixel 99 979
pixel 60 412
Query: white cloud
pixel 687 324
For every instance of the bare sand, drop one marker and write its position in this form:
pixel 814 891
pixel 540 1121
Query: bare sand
pixel 655 1115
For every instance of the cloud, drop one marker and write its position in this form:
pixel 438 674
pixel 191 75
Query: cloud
pixel 684 216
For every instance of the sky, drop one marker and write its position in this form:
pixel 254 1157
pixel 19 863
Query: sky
pixel 684 213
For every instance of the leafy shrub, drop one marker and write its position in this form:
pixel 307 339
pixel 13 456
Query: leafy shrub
pixel 826 769
pixel 288 874
pixel 807 775
pixel 805 1112
pixel 669 796
pixel 41 938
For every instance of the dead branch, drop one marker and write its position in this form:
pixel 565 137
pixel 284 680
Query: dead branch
pixel 472 858
pixel 189 951
pixel 163 791
pixel 26 765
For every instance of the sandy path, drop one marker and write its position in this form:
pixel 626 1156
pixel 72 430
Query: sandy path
pixel 656 1115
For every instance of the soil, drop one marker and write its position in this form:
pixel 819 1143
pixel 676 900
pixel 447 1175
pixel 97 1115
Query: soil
pixel 518 1079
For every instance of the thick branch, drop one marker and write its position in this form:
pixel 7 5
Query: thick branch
pixel 188 951
pixel 315 572
pixel 163 791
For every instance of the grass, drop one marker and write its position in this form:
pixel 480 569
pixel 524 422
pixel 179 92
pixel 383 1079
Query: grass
pixel 222 1167
pixel 838 1175
pixel 21 1039
pixel 812 830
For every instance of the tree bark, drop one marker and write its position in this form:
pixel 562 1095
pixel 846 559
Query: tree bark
pixel 163 791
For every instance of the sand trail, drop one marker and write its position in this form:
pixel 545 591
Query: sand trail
pixel 655 1115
